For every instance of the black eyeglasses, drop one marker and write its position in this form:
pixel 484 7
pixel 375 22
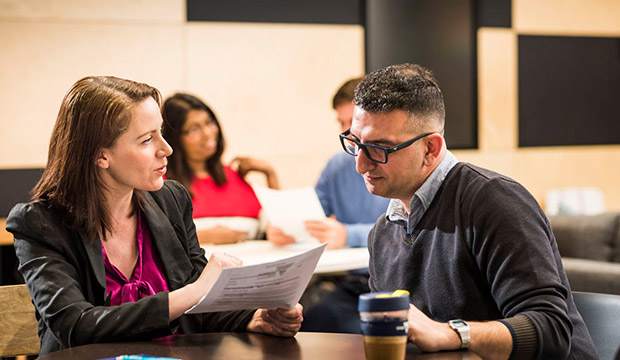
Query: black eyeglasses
pixel 376 153
pixel 196 129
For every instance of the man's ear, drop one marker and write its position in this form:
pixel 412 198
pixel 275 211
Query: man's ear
pixel 434 145
pixel 102 160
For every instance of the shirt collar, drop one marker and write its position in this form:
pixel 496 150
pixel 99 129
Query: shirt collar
pixel 422 198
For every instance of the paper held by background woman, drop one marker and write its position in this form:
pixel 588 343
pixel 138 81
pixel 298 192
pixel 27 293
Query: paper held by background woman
pixel 289 209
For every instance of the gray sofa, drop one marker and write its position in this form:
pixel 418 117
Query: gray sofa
pixel 590 249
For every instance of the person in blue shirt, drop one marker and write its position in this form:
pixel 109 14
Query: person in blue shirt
pixel 351 212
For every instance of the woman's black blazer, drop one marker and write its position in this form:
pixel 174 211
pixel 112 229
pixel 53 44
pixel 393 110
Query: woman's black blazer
pixel 65 275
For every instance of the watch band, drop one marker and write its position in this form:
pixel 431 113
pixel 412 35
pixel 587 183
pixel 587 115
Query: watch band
pixel 461 328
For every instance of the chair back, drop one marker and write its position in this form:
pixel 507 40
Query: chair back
pixel 18 325
pixel 601 313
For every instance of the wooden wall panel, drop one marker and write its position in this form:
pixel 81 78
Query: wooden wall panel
pixel 41 60
pixel 567 17
pixel 497 84
pixel 94 10
pixel 266 81
pixel 272 90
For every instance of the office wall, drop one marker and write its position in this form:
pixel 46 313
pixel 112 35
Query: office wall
pixel 539 169
pixel 271 84
pixel 440 35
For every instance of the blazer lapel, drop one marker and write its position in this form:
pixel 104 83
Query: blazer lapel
pixel 175 259
pixel 95 256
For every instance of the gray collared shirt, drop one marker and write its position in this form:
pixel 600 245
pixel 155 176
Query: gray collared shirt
pixel 422 198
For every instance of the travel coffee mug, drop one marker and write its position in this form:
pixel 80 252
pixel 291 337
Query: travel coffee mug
pixel 383 320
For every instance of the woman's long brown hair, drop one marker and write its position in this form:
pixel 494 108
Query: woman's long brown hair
pixel 93 114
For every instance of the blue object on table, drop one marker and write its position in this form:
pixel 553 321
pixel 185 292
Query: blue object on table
pixel 139 357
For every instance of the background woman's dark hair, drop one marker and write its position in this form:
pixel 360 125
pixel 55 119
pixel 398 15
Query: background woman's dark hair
pixel 174 112
pixel 94 113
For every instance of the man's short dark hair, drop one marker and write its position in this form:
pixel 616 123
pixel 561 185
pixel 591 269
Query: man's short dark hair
pixel 345 93
pixel 406 87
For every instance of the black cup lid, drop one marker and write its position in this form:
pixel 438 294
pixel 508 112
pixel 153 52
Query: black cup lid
pixel 384 301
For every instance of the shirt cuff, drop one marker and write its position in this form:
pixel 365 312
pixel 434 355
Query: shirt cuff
pixel 357 234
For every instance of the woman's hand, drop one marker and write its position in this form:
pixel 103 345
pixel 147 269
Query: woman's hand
pixel 217 262
pixel 277 237
pixel 182 299
pixel 280 322
pixel 220 235
pixel 246 164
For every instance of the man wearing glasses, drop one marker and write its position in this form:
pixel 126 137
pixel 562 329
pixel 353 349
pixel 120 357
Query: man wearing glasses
pixel 330 303
pixel 472 247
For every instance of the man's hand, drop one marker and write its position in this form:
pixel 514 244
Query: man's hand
pixel 280 322
pixel 277 237
pixel 430 335
pixel 328 230
pixel 489 339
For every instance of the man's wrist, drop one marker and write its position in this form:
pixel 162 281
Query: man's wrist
pixel 452 339
pixel 461 328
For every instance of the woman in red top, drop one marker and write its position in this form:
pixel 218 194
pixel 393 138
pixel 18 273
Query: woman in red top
pixel 193 131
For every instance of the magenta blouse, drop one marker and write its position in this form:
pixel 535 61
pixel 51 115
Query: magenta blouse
pixel 147 278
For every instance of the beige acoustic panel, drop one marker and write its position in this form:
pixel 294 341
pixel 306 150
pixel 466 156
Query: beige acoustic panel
pixel 94 10
pixel 271 86
pixel 307 173
pixel 544 168
pixel 497 89
pixel 567 17
pixel 40 61
pixel 502 162
pixel 541 169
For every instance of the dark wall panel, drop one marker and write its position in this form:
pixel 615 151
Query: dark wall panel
pixel 569 90
pixel 439 35
pixel 277 11
pixel 15 186
pixel 494 13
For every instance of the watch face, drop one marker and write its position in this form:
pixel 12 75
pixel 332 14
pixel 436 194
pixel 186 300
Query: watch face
pixel 458 323
pixel 462 329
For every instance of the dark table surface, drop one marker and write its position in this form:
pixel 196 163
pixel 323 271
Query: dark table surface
pixel 305 345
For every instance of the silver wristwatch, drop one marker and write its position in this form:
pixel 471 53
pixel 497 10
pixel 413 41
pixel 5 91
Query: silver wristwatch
pixel 461 328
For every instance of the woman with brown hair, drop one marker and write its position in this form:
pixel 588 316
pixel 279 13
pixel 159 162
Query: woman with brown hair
pixel 223 201
pixel 107 248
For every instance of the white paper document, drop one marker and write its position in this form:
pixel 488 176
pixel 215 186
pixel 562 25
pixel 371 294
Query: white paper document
pixel 289 209
pixel 276 284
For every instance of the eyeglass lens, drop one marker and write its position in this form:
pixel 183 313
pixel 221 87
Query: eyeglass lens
pixel 373 153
